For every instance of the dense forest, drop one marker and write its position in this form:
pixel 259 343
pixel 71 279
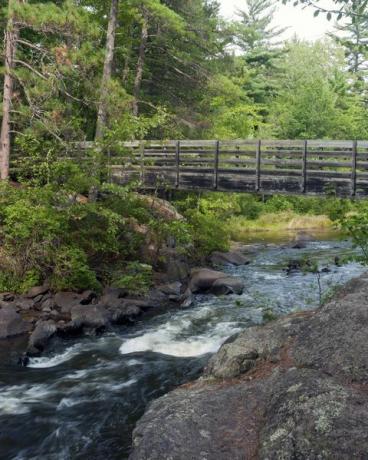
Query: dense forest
pixel 172 69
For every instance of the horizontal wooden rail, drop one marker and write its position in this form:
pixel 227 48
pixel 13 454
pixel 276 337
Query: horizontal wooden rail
pixel 264 166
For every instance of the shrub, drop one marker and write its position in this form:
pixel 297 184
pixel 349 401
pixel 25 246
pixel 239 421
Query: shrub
pixel 209 233
pixel 71 271
pixel 135 277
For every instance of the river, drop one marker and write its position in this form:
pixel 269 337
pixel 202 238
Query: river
pixel 82 399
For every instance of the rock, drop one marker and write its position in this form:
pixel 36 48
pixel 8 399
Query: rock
pixel 7 297
pixel 125 314
pixel 11 323
pixel 161 208
pixel 229 258
pixel 206 280
pixel 294 389
pixel 90 316
pixel 4 304
pixel 202 279
pixel 113 296
pixel 172 290
pixel 226 286
pixel 37 291
pixel 174 265
pixel 87 297
pixel 24 304
pixel 67 300
pixel 48 304
pixel 41 335
pixel 302 239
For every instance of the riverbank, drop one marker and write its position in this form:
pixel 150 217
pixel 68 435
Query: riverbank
pixel 293 388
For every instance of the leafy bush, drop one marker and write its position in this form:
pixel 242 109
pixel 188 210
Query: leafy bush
pixel 136 278
pixel 356 225
pixel 71 270
pixel 209 233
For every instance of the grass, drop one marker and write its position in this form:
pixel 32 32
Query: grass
pixel 240 227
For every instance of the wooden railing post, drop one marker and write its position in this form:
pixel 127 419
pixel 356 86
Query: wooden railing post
pixel 258 166
pixel 354 168
pixel 141 154
pixel 109 169
pixel 177 162
pixel 216 165
pixel 304 167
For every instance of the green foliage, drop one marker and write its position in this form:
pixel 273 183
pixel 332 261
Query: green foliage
pixel 71 270
pixel 269 316
pixel 356 226
pixel 135 277
pixel 209 233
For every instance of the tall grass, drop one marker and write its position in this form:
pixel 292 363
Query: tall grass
pixel 240 227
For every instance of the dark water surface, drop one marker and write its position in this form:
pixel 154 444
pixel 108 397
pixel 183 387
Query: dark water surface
pixel 82 399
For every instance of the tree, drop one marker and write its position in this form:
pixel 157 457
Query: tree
pixel 107 70
pixel 352 34
pixel 44 75
pixel 317 103
pixel 11 38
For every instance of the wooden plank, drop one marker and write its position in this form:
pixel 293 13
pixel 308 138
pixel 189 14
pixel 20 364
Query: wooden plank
pixel 354 169
pixel 190 143
pixel 258 166
pixel 177 159
pixel 282 143
pixel 330 164
pixel 328 174
pixel 280 162
pixel 304 167
pixel 327 144
pixel 237 162
pixel 282 153
pixel 216 165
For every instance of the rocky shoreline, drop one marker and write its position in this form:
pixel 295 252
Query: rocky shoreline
pixel 293 389
pixel 41 314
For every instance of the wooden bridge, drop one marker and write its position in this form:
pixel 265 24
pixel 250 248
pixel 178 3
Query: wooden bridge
pixel 272 166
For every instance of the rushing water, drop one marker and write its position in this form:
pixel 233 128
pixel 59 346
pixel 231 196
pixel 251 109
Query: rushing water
pixel 82 399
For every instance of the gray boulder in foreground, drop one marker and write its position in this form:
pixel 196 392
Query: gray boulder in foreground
pixel 11 323
pixel 293 389
pixel 204 280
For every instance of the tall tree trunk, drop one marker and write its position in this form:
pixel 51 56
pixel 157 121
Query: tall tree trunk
pixel 140 64
pixel 11 36
pixel 107 70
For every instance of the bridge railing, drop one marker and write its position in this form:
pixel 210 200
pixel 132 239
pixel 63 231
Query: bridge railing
pixel 267 166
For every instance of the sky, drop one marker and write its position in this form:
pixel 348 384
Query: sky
pixel 300 22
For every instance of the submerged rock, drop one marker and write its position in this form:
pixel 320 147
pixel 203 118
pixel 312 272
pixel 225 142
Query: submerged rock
pixel 229 258
pixel 295 388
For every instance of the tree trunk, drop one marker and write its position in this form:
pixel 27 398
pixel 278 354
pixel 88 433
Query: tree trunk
pixel 107 70
pixel 140 64
pixel 11 36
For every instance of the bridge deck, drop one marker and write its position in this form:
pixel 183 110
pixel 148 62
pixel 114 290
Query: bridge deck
pixel 273 166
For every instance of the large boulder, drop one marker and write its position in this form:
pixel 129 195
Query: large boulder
pixel 37 291
pixel 161 208
pixel 11 323
pixel 90 316
pixel 204 280
pixel 67 300
pixel 41 335
pixel 294 389
pixel 229 258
